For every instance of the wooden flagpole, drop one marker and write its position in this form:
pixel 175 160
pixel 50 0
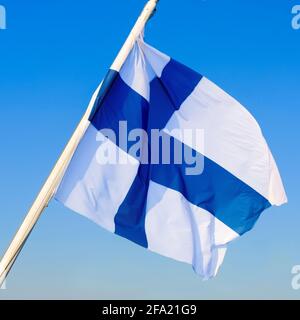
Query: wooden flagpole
pixel 52 182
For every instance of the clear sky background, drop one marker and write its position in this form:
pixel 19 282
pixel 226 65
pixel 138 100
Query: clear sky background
pixel 53 55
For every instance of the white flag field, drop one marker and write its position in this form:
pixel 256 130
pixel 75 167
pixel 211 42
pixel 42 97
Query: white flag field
pixel 171 162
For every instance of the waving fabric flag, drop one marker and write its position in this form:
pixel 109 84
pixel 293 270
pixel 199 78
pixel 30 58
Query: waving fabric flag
pixel 158 205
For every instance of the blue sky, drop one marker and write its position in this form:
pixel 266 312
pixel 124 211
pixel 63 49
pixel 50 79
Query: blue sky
pixel 53 55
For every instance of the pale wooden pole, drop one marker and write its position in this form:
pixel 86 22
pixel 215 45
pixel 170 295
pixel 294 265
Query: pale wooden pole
pixel 52 182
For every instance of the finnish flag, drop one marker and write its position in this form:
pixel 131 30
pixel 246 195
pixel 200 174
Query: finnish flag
pixel 204 180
